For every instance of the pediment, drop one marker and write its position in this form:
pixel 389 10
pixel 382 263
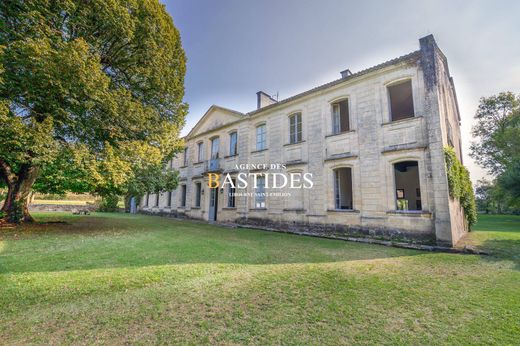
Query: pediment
pixel 215 117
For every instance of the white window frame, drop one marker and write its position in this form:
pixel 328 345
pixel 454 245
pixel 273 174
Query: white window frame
pixel 261 137
pixel 295 128
pixel 260 193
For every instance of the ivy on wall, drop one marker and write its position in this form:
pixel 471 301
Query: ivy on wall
pixel 460 186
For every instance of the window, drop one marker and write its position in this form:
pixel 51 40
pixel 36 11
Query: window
pixel 340 117
pixel 260 192
pixel 407 187
pixel 157 199
pixel 215 148
pixel 295 128
pixel 343 188
pixel 401 100
pixel 200 152
pixel 261 137
pixel 147 200
pixel 170 193
pixel 198 191
pixel 233 144
pixel 231 194
pixel 185 156
pixel 183 195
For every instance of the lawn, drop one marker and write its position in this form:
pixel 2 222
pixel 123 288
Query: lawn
pixel 126 279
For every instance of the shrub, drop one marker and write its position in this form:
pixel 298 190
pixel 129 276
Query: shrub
pixel 108 203
pixel 459 184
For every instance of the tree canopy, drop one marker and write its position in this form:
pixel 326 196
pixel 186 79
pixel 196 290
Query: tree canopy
pixel 497 144
pixel 91 94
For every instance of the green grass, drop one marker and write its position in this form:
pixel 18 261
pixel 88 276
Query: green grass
pixel 123 279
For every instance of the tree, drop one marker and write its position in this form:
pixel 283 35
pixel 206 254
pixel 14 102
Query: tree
pixel 497 132
pixel 150 179
pixel 90 93
pixel 498 145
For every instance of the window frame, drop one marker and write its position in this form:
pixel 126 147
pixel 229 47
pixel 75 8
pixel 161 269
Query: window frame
pixel 296 129
pixel 396 83
pixel 185 161
pixel 183 196
pixel 336 117
pixel 260 200
pixel 200 151
pixel 231 203
pixel 233 146
pixel 336 188
pixel 262 144
pixel 198 194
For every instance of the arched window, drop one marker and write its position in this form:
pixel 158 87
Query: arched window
pixel 343 188
pixel 407 186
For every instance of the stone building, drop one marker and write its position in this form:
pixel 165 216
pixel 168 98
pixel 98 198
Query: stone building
pixel 373 141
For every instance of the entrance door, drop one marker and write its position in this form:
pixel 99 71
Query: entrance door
pixel 213 204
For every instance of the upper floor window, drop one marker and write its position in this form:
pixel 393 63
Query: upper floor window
pixel 233 144
pixel 261 137
pixel 340 117
pixel 295 128
pixel 401 100
pixel 200 152
pixel 185 156
pixel 215 142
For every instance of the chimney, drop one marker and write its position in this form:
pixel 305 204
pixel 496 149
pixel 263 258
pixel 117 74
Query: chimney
pixel 263 99
pixel 345 73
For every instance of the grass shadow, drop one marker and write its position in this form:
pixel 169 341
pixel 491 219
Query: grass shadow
pixel 122 240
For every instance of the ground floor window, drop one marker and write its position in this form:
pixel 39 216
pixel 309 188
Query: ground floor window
pixel 198 192
pixel 146 199
pixel 170 198
pixel 407 186
pixel 157 199
pixel 231 194
pixel 183 195
pixel 260 192
pixel 343 188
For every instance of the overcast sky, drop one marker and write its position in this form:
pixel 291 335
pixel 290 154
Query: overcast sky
pixel 237 47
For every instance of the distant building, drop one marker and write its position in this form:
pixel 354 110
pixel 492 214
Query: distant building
pixel 373 141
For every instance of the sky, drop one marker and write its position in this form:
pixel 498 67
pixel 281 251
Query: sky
pixel 235 48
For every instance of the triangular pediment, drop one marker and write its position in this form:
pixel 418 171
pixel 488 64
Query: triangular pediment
pixel 214 118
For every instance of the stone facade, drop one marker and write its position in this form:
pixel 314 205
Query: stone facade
pixel 371 147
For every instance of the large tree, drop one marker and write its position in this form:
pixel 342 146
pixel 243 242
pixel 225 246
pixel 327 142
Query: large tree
pixel 497 145
pixel 90 93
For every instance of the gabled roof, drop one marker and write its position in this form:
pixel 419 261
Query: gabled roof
pixel 229 116
pixel 402 59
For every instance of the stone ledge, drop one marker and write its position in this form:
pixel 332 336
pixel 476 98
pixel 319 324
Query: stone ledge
pixel 403 245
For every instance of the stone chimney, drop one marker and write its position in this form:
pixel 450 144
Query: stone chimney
pixel 345 73
pixel 263 99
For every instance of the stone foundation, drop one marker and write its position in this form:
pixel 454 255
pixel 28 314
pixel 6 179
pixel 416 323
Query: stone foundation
pixel 339 230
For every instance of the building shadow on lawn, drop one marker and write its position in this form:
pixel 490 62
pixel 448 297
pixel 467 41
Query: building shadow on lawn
pixel 132 242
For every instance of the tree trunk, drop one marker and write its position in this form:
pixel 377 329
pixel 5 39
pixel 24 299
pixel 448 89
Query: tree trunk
pixel 16 204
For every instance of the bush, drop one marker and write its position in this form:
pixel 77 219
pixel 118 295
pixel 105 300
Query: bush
pixel 108 203
pixel 460 186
